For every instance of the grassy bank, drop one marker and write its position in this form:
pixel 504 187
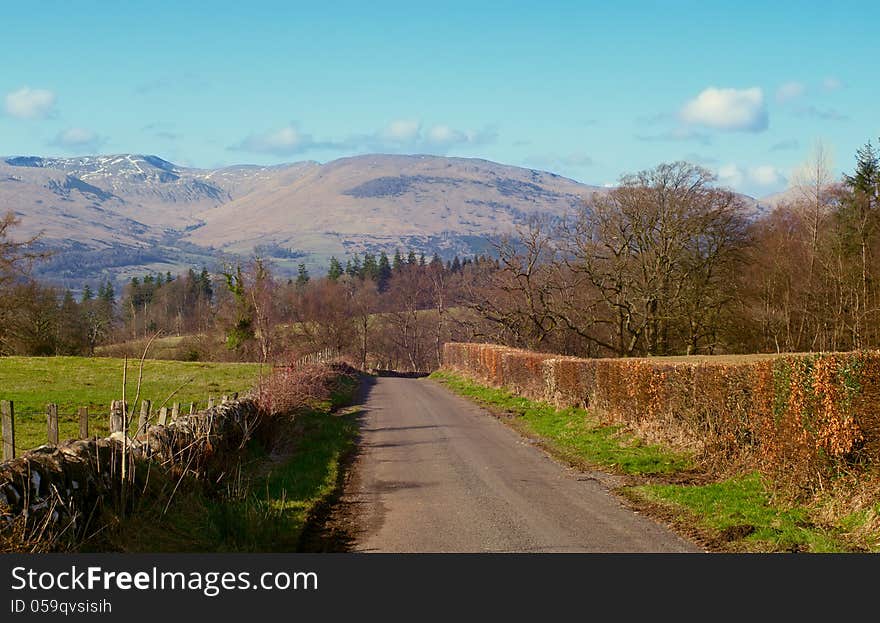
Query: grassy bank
pixel 73 382
pixel 739 514
pixel 725 514
pixel 263 507
pixel 572 434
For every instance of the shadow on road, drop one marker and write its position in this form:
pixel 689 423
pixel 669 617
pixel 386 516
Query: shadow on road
pixel 389 428
pixel 402 375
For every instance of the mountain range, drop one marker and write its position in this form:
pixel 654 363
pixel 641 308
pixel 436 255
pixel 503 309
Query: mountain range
pixel 115 216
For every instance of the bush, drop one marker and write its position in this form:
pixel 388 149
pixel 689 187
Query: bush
pixel 295 386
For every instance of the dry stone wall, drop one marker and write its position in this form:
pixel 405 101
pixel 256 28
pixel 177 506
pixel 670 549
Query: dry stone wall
pixel 61 488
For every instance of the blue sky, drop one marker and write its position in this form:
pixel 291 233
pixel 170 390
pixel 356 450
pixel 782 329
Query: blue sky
pixel 590 90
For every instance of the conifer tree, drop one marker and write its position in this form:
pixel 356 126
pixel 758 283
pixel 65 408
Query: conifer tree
pixel 302 277
pixel 335 270
pixel 383 272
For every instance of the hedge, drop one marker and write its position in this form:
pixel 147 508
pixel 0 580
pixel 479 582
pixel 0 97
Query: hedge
pixel 799 418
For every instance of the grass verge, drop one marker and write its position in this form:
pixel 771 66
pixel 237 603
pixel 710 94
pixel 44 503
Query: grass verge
pixel 731 514
pixel 739 515
pixel 573 434
pixel 267 504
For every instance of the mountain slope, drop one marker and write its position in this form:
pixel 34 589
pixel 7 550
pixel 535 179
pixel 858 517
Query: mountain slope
pixel 118 215
pixel 379 202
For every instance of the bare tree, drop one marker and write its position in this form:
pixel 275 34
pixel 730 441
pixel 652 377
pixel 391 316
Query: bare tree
pixel 519 296
pixel 363 297
pixel 651 251
pixel 16 257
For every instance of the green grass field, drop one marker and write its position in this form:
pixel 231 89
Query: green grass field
pixel 73 382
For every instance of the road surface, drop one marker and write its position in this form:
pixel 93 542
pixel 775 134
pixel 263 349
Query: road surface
pixel 438 474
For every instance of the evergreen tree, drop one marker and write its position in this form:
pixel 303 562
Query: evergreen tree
pixel 456 265
pixel 71 330
pixel 205 286
pixel 335 270
pixel 106 294
pixel 87 294
pixel 242 330
pixel 866 181
pixel 398 260
pixel 370 269
pixel 302 277
pixel 422 260
pixel 411 259
pixel 384 272
pixel 356 270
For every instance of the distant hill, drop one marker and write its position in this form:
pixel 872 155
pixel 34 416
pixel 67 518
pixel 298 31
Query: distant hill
pixel 120 215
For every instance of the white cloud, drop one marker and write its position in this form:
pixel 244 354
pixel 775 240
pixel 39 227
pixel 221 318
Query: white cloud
pixel 399 136
pixel 790 91
pixel 765 175
pixel 730 175
pixel 78 140
pixel 284 141
pixel 28 103
pixel 402 130
pixel 832 84
pixel 756 177
pixel 410 135
pixel 727 109
pixel 443 134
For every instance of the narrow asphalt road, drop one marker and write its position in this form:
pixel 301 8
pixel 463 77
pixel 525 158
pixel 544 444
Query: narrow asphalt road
pixel 438 474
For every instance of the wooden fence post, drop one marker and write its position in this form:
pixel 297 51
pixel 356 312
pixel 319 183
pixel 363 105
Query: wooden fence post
pixel 7 408
pixel 83 422
pixel 144 418
pixel 210 402
pixel 192 408
pixel 235 395
pixel 52 423
pixel 163 416
pixel 175 411
pixel 117 419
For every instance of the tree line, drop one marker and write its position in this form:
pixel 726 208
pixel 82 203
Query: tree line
pixel 666 263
